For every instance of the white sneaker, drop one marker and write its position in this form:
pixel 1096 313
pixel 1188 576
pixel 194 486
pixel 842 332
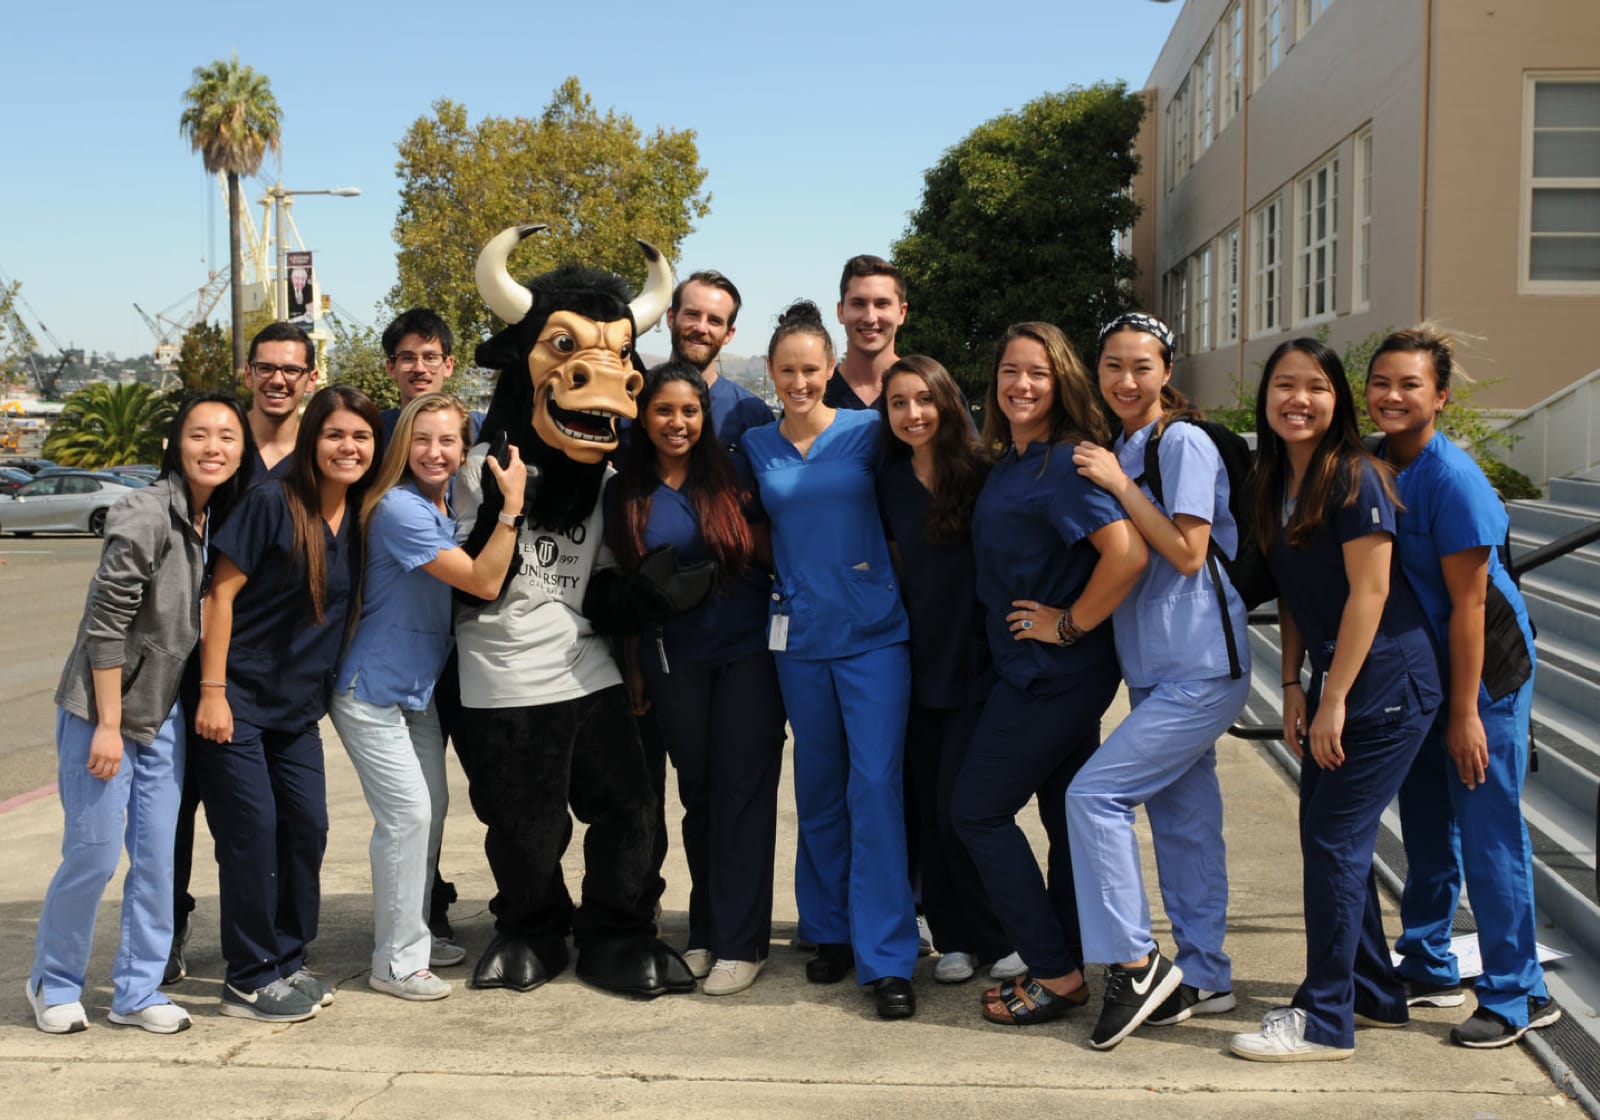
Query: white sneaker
pixel 699 962
pixel 443 953
pixel 62 1018
pixel 924 937
pixel 420 985
pixel 1008 967
pixel 728 977
pixel 953 968
pixel 1282 1038
pixel 158 1018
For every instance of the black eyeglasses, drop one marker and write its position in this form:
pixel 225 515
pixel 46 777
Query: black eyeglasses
pixel 266 371
pixel 405 359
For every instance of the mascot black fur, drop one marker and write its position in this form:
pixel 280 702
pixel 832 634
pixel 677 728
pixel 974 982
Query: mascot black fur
pixel 546 718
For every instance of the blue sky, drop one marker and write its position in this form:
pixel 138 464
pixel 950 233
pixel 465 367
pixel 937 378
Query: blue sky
pixel 815 122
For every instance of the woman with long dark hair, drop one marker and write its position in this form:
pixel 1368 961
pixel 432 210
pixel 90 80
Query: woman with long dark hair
pixel 934 468
pixel 839 629
pixel 287 570
pixel 120 724
pixel 1323 510
pixel 707 674
pixel 383 698
pixel 1055 556
pixel 1461 804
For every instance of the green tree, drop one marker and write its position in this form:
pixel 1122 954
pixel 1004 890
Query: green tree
pixel 596 180
pixel 204 358
pixel 106 425
pixel 231 118
pixel 358 361
pixel 1018 222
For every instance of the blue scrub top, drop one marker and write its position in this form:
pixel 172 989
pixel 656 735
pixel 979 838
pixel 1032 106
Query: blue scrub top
pixel 735 410
pixel 835 580
pixel 403 638
pixel 1169 628
pixel 1450 507
pixel 732 623
pixel 1030 535
pixel 950 662
pixel 280 662
pixel 1401 672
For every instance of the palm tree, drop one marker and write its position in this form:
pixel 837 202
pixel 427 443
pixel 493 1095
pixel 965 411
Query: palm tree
pixel 231 118
pixel 105 425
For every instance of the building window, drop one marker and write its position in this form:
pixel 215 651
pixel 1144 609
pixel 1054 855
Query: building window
pixel 1269 38
pixel 1317 212
pixel 1179 134
pixel 1363 269
pixel 1310 10
pixel 1200 301
pixel 1228 287
pixel 1176 309
pixel 1232 64
pixel 1203 81
pixel 1266 267
pixel 1561 202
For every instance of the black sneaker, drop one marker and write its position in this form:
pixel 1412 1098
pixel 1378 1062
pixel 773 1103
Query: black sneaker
pixel 177 967
pixel 1132 995
pixel 1488 1030
pixel 833 963
pixel 1189 1000
pixel 1419 993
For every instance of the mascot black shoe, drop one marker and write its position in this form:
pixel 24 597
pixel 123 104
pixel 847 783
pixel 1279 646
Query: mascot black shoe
pixel 636 965
pixel 510 962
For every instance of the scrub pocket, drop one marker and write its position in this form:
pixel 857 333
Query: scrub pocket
pixel 870 599
pixel 1506 664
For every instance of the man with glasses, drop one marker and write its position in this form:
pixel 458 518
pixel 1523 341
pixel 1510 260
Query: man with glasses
pixel 418 349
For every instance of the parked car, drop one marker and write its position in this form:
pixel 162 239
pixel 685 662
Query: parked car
pixel 32 466
pixel 74 502
pixel 13 477
pixel 141 471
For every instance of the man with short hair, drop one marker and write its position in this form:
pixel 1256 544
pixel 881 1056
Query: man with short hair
pixel 419 355
pixel 700 320
pixel 872 307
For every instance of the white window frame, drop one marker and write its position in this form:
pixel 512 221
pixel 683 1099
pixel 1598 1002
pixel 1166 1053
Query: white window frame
pixel 1228 273
pixel 1267 233
pixel 1181 133
pixel 1526 284
pixel 1177 303
pixel 1271 39
pixel 1310 10
pixel 1200 275
pixel 1361 270
pixel 1203 88
pixel 1316 242
pixel 1232 48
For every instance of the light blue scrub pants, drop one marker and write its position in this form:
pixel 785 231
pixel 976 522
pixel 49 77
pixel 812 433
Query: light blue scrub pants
pixel 1162 756
pixel 850 882
pixel 1449 829
pixel 399 756
pixel 138 807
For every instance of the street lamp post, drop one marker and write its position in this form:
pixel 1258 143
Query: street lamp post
pixel 278 193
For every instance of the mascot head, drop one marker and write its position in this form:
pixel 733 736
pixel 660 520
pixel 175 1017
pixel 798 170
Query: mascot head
pixel 567 358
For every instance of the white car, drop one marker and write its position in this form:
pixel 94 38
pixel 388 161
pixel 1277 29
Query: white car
pixel 74 502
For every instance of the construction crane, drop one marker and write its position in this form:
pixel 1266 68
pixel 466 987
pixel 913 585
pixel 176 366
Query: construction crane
pixel 28 347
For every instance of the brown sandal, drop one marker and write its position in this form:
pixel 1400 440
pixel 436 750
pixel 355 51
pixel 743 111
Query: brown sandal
pixel 1024 1001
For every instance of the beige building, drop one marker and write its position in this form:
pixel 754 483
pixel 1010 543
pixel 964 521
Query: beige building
pixel 1364 164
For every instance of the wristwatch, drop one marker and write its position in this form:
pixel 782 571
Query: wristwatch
pixel 507 519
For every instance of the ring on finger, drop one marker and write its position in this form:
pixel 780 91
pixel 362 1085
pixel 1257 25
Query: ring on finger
pixel 1027 624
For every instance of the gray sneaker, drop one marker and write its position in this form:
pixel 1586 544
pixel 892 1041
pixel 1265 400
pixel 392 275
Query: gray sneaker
pixel 277 1002
pixel 421 985
pixel 309 986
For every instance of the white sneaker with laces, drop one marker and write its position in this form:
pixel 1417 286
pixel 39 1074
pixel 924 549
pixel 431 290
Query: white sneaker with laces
pixel 60 1018
pixel 158 1018
pixel 955 967
pixel 1008 967
pixel 1282 1038
pixel 699 962
pixel 728 977
pixel 420 985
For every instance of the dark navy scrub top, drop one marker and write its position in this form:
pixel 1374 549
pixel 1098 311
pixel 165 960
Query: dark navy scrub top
pixel 732 623
pixel 735 410
pixel 838 393
pixel 1030 535
pixel 950 662
pixel 835 581
pixel 280 662
pixel 1401 673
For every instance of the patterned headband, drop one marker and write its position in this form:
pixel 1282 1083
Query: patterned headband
pixel 1149 324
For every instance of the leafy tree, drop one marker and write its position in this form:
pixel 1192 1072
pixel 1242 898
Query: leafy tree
pixel 358 361
pixel 596 180
pixel 1018 222
pixel 204 358
pixel 106 425
pixel 232 119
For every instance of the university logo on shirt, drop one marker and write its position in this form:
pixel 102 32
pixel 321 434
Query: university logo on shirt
pixel 546 551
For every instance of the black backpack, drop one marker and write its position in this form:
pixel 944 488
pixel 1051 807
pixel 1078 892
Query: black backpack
pixel 1248 571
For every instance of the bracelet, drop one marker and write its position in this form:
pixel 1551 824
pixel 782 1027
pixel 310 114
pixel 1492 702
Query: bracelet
pixel 213 684
pixel 1293 684
pixel 1067 631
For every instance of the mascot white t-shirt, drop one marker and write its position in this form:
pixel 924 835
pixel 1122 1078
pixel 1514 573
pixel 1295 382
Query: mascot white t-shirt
pixel 533 646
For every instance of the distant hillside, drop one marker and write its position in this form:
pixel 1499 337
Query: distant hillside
pixel 747 371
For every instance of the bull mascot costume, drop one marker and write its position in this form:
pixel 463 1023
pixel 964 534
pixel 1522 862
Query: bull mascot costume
pixel 546 719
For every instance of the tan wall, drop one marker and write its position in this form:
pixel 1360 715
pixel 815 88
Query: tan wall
pixel 1536 343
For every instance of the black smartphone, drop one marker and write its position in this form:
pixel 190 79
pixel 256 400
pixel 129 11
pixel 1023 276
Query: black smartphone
pixel 500 448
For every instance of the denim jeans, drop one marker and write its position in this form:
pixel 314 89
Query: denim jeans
pixel 139 808
pixel 399 756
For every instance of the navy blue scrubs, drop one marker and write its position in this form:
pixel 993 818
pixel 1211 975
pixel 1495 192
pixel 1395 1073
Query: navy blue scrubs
pixel 838 393
pixel 714 691
pixel 951 676
pixel 1388 710
pixel 734 411
pixel 265 792
pixel 1041 723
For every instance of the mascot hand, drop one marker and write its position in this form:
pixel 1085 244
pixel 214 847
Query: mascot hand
pixel 618 603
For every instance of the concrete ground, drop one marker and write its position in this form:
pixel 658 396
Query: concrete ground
pixel 783 1048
